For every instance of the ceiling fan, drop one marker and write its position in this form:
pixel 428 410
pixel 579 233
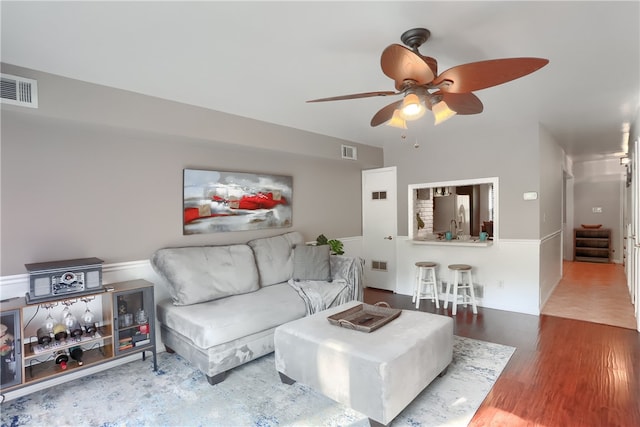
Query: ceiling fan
pixel 416 78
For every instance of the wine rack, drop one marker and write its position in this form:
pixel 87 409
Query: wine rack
pixel 95 326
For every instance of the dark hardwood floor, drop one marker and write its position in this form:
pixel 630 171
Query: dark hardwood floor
pixel 564 372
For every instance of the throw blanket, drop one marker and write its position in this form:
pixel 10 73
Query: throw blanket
pixel 320 295
pixel 350 269
pixel 346 285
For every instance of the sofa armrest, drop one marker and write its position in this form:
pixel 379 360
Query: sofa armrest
pixel 351 270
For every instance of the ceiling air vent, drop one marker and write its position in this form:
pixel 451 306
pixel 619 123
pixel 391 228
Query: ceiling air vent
pixel 349 152
pixel 19 91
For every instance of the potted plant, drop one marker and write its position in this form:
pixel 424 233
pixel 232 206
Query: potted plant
pixel 335 245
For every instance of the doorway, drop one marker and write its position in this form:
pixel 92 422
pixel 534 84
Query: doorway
pixel 593 193
pixel 379 227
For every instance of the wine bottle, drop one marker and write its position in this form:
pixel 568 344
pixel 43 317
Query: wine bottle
pixel 61 358
pixel 76 354
pixel 45 333
pixel 59 332
pixel 44 336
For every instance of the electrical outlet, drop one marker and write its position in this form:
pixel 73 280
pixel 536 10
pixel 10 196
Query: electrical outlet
pixel 478 290
pixel 443 287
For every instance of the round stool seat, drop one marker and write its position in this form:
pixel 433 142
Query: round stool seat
pixel 426 264
pixel 460 267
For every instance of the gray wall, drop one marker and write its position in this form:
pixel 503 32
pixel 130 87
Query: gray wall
pixel 462 152
pixel 551 184
pixel 525 158
pixel 98 172
pixel 551 224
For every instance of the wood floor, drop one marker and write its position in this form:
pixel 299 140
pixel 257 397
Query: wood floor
pixel 564 372
pixel 592 292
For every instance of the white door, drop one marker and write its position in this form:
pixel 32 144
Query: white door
pixel 379 227
pixel 635 218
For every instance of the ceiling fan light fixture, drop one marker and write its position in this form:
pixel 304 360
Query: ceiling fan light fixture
pixel 397 121
pixel 412 107
pixel 442 112
pixel 416 78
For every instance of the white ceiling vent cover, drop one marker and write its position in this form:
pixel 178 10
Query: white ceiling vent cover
pixel 349 152
pixel 19 91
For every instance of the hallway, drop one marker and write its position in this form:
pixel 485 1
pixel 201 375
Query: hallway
pixel 592 292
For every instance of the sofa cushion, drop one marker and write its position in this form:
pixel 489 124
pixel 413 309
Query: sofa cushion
pixel 224 320
pixel 311 263
pixel 205 273
pixel 274 257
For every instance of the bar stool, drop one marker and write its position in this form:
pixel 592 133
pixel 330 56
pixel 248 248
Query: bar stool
pixel 468 294
pixel 426 283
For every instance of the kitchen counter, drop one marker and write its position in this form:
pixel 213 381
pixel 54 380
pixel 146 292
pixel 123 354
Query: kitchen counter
pixel 473 242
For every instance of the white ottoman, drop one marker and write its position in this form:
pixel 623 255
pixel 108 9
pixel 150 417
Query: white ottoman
pixel 377 373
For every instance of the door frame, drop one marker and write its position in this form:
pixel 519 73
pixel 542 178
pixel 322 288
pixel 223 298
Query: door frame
pixel 393 226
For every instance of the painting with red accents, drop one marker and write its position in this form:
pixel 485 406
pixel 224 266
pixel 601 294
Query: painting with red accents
pixel 219 201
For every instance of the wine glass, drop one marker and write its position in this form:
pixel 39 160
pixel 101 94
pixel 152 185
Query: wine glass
pixel 88 319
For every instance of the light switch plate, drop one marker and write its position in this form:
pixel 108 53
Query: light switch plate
pixel 530 195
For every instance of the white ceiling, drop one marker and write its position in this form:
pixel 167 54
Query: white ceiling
pixel 264 59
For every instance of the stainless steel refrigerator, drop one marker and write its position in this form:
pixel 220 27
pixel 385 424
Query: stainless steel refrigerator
pixel 449 208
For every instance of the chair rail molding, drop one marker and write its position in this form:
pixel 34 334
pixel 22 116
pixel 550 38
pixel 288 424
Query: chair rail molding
pixel 18 285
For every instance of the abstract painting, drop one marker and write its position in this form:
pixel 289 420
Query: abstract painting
pixel 219 201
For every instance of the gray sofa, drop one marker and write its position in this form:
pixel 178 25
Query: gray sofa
pixel 226 301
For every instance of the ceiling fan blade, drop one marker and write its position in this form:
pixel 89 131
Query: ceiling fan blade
pixel 356 96
pixel 432 63
pixel 400 64
pixel 385 114
pixel 462 103
pixel 481 75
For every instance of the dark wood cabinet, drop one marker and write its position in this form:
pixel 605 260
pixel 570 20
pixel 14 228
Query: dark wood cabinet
pixel 592 245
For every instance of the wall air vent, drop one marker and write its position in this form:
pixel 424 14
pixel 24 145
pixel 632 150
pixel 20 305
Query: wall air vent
pixel 19 91
pixel 379 265
pixel 349 152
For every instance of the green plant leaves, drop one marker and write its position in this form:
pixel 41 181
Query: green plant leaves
pixel 337 248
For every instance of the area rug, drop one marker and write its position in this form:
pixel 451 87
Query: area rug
pixel 252 395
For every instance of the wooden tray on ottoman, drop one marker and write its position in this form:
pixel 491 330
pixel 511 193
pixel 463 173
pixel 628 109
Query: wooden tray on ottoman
pixel 365 317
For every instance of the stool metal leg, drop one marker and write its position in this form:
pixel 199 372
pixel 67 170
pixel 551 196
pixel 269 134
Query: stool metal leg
pixel 418 287
pixel 454 297
pixel 416 291
pixel 434 284
pixel 473 294
pixel 447 293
